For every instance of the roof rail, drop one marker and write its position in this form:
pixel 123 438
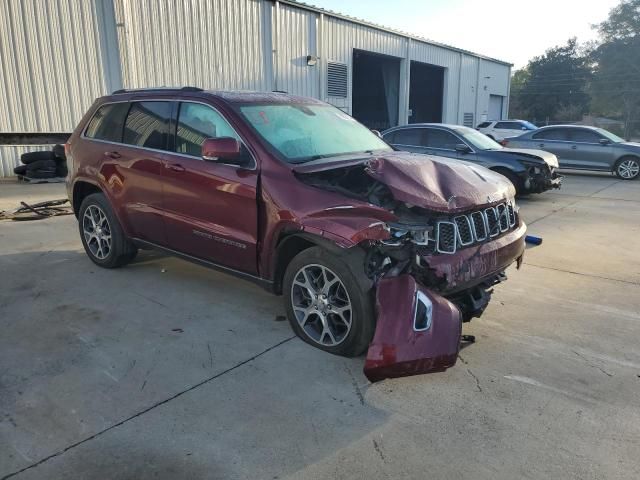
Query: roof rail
pixel 157 89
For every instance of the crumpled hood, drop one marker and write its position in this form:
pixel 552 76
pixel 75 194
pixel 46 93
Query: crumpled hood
pixel 549 158
pixel 437 183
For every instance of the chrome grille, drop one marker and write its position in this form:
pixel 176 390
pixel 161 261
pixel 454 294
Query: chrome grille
pixel 474 227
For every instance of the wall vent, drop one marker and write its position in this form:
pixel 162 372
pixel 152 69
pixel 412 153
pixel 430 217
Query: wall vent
pixel 467 120
pixel 337 79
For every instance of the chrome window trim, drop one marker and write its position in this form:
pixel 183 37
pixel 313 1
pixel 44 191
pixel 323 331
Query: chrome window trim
pixel 169 152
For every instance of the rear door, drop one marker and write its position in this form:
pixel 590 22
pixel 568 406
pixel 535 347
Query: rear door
pixel 556 141
pixel 587 151
pixel 210 208
pixel 129 138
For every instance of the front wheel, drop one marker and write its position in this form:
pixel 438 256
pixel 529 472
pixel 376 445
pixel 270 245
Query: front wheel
pixel 326 305
pixel 628 168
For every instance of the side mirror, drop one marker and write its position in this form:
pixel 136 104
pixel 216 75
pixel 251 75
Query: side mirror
pixel 377 133
pixel 605 141
pixel 223 150
pixel 524 129
pixel 462 148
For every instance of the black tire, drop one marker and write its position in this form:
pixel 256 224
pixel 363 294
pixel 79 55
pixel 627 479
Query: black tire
pixel 513 178
pixel 20 170
pixel 359 293
pixel 40 174
pixel 42 165
pixel 30 157
pixel 627 161
pixel 121 250
pixel 58 151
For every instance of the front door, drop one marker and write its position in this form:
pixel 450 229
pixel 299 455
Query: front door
pixel 587 151
pixel 210 208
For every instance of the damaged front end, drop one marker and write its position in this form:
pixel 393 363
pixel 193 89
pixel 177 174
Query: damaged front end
pixel 455 229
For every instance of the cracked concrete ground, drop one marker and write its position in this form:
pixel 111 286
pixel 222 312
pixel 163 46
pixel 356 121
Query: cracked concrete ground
pixel 164 369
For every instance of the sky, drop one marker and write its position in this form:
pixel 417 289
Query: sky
pixel 514 31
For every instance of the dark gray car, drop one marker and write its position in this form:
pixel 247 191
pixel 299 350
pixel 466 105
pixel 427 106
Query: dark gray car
pixel 584 148
pixel 530 171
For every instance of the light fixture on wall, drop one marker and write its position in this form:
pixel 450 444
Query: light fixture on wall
pixel 312 60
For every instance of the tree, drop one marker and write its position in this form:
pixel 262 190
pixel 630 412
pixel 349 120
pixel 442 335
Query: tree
pixel 616 79
pixel 554 82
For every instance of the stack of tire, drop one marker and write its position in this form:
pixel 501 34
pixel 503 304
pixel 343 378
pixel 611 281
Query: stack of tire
pixel 43 165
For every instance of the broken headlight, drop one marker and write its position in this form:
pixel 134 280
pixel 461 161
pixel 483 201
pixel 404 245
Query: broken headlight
pixel 401 233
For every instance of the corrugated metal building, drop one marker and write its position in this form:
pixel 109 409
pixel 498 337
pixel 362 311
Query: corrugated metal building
pixel 57 57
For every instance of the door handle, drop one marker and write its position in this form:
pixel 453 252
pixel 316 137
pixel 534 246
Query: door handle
pixel 113 155
pixel 541 144
pixel 573 147
pixel 176 167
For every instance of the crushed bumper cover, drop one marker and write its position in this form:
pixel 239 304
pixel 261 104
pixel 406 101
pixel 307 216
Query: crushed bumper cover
pixel 417 331
pixel 541 182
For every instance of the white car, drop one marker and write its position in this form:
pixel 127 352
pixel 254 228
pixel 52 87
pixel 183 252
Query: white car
pixel 501 129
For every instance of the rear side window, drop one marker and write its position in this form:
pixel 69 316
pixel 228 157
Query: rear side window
pixel 196 123
pixel 442 139
pixel 551 134
pixel 508 126
pixel 484 125
pixel 409 136
pixel 584 136
pixel 147 125
pixel 107 122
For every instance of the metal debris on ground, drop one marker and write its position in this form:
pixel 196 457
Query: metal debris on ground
pixel 37 211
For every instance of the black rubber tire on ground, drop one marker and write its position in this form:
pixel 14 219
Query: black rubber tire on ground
pixel 30 157
pixel 360 296
pixel 513 178
pixel 42 165
pixel 58 151
pixel 616 169
pixel 20 170
pixel 122 250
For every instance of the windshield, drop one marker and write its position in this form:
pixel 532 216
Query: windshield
pixel 529 125
pixel 614 138
pixel 301 133
pixel 478 141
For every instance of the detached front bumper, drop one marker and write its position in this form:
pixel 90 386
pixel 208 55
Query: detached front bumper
pixel 541 181
pixel 418 331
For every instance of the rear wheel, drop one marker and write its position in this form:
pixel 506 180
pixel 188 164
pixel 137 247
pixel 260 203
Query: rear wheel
pixel 326 305
pixel 628 168
pixel 102 236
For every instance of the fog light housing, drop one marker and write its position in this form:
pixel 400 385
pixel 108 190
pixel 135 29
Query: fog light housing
pixel 423 313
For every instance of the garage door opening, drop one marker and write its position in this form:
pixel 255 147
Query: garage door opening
pixel 426 91
pixel 376 89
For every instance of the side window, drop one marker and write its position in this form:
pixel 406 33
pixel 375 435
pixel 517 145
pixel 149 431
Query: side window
pixel 551 134
pixel 107 122
pixel 409 136
pixel 584 136
pixel 484 125
pixel 147 125
pixel 442 139
pixel 196 123
pixel 508 126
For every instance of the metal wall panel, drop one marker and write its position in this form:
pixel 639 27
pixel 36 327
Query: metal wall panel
pixel 212 44
pixel 52 63
pixel 10 156
pixel 296 37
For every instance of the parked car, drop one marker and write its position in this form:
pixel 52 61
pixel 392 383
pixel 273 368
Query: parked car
pixel 369 247
pixel 500 129
pixel 530 171
pixel 584 148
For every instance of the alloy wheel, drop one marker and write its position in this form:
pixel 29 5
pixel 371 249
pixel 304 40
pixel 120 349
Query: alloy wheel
pixel 321 305
pixel 97 232
pixel 629 169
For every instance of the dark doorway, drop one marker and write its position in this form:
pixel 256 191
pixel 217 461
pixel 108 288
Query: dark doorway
pixel 426 91
pixel 376 89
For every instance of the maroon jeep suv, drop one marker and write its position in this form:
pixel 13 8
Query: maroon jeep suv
pixel 371 248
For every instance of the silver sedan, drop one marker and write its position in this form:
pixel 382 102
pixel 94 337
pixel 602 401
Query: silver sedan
pixel 584 148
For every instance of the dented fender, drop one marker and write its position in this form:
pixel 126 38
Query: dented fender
pixel 400 347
